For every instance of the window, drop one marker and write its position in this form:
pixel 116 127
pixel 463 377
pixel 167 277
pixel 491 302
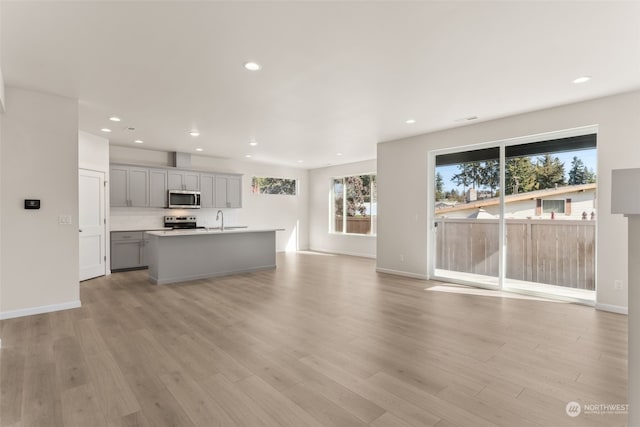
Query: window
pixel 556 206
pixel 268 185
pixel 354 200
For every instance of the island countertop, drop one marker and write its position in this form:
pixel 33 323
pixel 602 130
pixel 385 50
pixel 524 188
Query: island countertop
pixel 210 231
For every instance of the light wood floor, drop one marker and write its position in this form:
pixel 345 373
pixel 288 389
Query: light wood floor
pixel 321 340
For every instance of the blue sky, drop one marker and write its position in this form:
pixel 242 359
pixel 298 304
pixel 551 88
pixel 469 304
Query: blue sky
pixel 588 158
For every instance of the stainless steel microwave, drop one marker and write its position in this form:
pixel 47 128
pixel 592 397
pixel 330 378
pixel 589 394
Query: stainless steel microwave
pixel 182 199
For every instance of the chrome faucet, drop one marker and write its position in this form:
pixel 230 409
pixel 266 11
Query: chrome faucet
pixel 218 215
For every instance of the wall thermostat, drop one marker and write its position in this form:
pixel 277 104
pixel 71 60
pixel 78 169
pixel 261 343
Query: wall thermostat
pixel 32 203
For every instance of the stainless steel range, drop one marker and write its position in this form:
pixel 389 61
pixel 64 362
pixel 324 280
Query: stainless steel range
pixel 181 222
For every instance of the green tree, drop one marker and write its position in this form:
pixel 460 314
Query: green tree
pixel 453 195
pixel 549 172
pixel 463 177
pixel 580 174
pixel 490 175
pixel 520 175
pixel 356 193
pixel 268 185
pixel 439 186
pixel 577 173
pixel 470 174
pixel 590 176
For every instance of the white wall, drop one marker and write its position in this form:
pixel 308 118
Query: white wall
pixel 258 210
pixel 39 159
pixel 320 239
pixel 2 95
pixel 402 164
pixel 93 152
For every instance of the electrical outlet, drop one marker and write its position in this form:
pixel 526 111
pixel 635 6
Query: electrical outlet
pixel 401 258
pixel 617 285
pixel 64 219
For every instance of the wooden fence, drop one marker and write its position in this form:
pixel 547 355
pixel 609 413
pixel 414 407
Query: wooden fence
pixel 358 224
pixel 554 252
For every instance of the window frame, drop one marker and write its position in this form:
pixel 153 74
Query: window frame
pixel 259 193
pixel 564 206
pixel 332 206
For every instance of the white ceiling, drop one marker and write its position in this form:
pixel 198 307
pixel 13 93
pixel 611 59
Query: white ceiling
pixel 336 77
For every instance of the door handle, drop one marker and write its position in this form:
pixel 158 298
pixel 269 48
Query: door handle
pixel 80 231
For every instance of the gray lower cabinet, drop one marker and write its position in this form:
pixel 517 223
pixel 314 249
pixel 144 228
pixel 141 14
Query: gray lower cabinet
pixel 127 250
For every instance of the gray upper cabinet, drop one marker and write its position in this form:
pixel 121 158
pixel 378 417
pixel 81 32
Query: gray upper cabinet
pixel 234 192
pixel 158 188
pixel 221 191
pixel 139 187
pixel 183 180
pixel 132 186
pixel 118 183
pixel 129 186
pixel 228 191
pixel 207 190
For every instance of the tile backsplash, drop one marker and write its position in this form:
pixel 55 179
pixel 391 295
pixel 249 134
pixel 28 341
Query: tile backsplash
pixel 150 218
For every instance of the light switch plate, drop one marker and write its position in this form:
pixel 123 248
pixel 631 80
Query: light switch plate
pixel 64 219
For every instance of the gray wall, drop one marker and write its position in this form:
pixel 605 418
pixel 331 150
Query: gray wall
pixel 403 176
pixel 39 159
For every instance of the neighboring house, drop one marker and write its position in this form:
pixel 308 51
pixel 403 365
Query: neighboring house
pixel 568 202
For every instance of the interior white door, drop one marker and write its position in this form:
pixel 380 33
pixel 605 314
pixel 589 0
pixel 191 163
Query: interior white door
pixel 92 227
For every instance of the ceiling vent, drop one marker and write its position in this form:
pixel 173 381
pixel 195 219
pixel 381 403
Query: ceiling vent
pixel 181 160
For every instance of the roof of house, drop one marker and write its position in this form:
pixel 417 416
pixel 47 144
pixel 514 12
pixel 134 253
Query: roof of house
pixel 531 195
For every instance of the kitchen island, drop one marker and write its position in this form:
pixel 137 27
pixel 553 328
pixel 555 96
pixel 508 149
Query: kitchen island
pixel 182 255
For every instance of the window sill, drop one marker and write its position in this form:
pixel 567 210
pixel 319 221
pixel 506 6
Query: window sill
pixel 333 233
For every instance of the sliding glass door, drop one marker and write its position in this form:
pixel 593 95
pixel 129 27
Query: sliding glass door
pixel 550 216
pixel 467 216
pixel 545 219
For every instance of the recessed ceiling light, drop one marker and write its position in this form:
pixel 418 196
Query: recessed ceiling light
pixel 114 119
pixel 252 66
pixel 582 79
pixel 338 154
pixel 410 121
pixel 138 141
pixel 248 156
pixel 199 149
pixel 194 133
pixel 105 130
pixel 300 161
pixel 253 143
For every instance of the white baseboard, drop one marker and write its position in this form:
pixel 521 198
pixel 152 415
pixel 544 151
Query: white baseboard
pixel 39 310
pixel 326 251
pixel 612 308
pixel 402 273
